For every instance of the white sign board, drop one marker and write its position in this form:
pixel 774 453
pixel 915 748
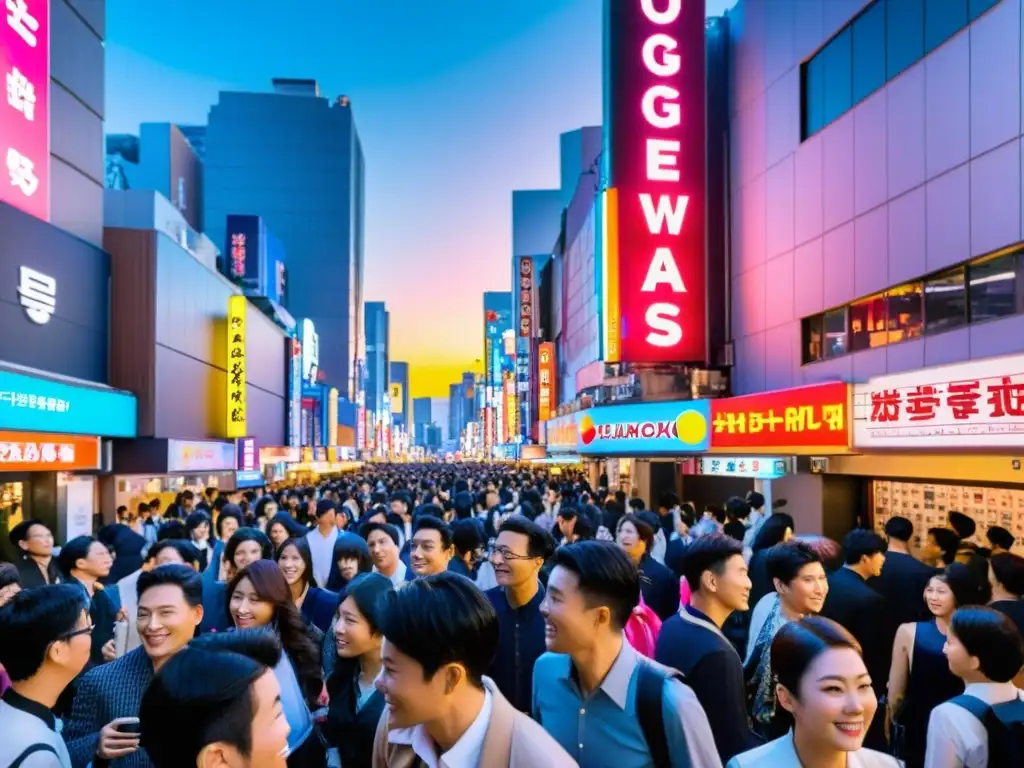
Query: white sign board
pixel 978 404
pixel 38 295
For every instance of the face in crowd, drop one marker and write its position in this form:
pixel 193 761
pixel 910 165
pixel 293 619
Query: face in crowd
pixel 427 554
pixel 511 559
pixel 383 551
pixel 806 593
pixel 166 621
pixel 247 608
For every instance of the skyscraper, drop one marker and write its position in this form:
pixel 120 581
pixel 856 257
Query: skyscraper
pixel 377 356
pixel 422 417
pixel 398 389
pixel 294 157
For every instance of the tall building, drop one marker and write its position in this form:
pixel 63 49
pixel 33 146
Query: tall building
pixel 421 419
pixel 398 389
pixel 461 409
pixel 499 360
pixel 377 356
pixel 294 158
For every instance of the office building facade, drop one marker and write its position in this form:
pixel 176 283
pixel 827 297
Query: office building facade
pixel 398 394
pixel 294 158
pixel 422 417
pixel 378 357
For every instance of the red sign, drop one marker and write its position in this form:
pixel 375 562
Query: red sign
pixel 653 212
pixel 526 296
pixel 238 255
pixel 44 452
pixel 547 397
pixel 25 118
pixel 814 417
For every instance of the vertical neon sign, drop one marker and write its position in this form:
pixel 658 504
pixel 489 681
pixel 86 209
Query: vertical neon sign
pixel 25 113
pixel 653 271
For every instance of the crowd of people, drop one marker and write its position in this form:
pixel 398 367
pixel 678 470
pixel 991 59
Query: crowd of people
pixel 458 615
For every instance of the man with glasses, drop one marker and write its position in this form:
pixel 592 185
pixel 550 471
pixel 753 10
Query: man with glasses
pixel 520 550
pixel 37 565
pixel 45 638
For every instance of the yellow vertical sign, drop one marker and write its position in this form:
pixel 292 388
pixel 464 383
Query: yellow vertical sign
pixel 332 418
pixel 610 268
pixel 397 403
pixel 236 406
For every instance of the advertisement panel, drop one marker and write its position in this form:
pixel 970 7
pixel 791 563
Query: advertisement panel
pixel 979 404
pixel 526 303
pixel 39 452
pixel 640 429
pixel 560 433
pixel 25 123
pixel 758 468
pixel 547 398
pixel 236 398
pixel 332 417
pixel 191 456
pixel 653 244
pixel 40 405
pixel 243 250
pixel 511 409
pixel 248 457
pixel 801 420
pixel 294 351
pixel 310 352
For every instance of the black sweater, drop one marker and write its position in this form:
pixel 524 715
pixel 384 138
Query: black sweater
pixel 349 728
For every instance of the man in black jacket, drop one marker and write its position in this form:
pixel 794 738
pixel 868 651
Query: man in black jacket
pixel 692 641
pixel 855 605
pixel 903 577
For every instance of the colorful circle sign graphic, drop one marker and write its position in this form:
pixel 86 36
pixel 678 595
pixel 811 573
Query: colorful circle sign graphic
pixel 587 430
pixel 691 427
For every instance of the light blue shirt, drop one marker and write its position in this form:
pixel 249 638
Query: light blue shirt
pixel 293 703
pixel 602 730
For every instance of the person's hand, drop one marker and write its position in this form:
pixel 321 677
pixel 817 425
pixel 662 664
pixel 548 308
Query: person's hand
pixel 113 743
pixel 109 650
pixel 324 699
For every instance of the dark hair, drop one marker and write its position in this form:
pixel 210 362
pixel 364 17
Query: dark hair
pixel 9 575
pixel 606 576
pixel 268 581
pixel 568 512
pixel 19 533
pixel 963 525
pixel 541 543
pixel 248 534
pixel 643 528
pixel 947 541
pixel 467 536
pixel 965 585
pixel 860 543
pixel 172 530
pixel 798 643
pixel 190 582
pixel 755 500
pixel 899 528
pixel 442 619
pixel 993 639
pixel 34 619
pixel 368 590
pixel 195 519
pixel 324 506
pixel 431 523
pixel 351 546
pixel 184 548
pixel 75 550
pixel 668 500
pixel 290 525
pixel 773 531
pixel 367 528
pixel 1008 569
pixel 785 561
pixel 302 547
pixel 709 553
pixel 203 695
pixel 999 537
pixel 230 511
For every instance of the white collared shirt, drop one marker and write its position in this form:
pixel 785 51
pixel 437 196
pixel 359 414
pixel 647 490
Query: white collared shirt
pixel 466 752
pixel 956 738
pixel 321 550
pixel 398 577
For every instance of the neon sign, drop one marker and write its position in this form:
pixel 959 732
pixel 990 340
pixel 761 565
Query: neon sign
pixel 238 255
pixel 653 207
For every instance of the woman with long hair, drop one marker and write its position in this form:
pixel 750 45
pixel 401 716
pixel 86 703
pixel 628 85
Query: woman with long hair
pixel 316 605
pixel 351 558
pixel 282 527
pixel 822 682
pixel 919 679
pixel 260 597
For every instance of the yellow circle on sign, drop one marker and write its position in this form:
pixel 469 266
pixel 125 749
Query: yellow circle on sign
pixel 691 427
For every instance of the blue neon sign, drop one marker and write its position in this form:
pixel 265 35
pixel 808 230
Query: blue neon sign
pixel 667 428
pixel 41 405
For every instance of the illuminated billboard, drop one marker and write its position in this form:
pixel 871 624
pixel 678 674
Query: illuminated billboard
pixel 653 228
pixel 236 395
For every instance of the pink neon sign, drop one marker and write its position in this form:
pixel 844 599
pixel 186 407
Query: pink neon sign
pixel 25 111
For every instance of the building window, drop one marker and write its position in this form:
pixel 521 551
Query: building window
pixel 906 312
pixel 977 7
pixel 904 35
pixel 869 51
pixel 813 338
pixel 814 95
pixel 993 287
pixel 868 323
pixel 945 301
pixel 838 57
pixel 942 20
pixel 835 332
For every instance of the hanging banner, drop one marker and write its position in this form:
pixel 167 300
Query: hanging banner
pixel 526 296
pixel 236 401
pixel 546 384
pixel 332 417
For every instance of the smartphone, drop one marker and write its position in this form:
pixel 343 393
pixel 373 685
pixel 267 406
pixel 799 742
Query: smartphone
pixel 129 727
pixel 120 638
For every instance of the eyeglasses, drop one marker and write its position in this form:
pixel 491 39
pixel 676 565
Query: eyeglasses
pixel 76 632
pixel 508 555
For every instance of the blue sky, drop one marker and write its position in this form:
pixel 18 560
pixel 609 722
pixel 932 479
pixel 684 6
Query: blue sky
pixel 457 102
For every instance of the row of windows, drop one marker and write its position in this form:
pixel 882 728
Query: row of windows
pixel 888 37
pixel 984 289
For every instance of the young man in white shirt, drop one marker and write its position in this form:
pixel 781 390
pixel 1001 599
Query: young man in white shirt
pixel 985 650
pixel 321 541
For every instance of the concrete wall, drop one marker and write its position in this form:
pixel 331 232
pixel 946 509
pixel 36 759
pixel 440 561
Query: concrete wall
pixel 924 173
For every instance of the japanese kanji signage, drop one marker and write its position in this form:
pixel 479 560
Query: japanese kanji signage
pixel 236 403
pixel 789 420
pixel 652 211
pixel 526 296
pixel 979 404
pixel 238 254
pixel 546 386
pixel 25 118
pixel 756 467
pixel 46 452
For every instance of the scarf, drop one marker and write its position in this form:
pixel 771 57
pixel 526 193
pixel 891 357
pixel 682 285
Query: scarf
pixel 763 680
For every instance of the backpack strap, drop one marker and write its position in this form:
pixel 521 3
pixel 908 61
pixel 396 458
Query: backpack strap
pixel 972 704
pixel 650 686
pixel 35 748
